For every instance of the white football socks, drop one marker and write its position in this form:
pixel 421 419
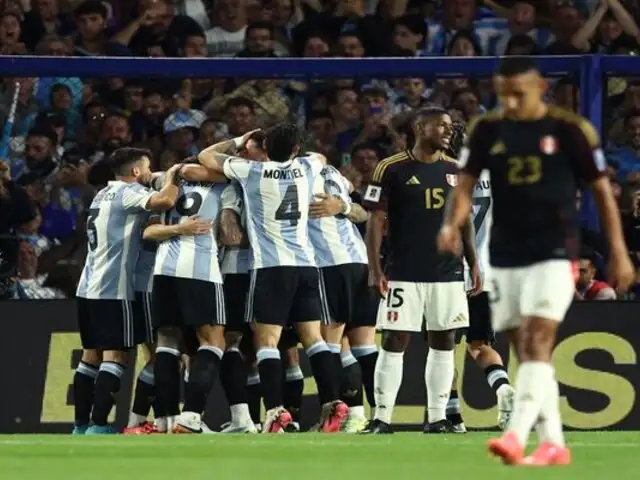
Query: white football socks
pixel 438 376
pixel 532 387
pixel 387 381
pixel 240 414
pixel 549 425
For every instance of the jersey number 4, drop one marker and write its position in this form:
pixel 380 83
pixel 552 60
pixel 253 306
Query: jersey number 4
pixel 289 207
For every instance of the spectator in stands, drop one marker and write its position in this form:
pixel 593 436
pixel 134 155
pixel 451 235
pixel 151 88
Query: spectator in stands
pixel 460 15
pixel 351 44
pixel 565 94
pixel 364 159
pixel 92 38
pixel 228 37
pixel 259 41
pixel 565 23
pixel 26 108
pixel 610 24
pixel 587 287
pixel 11 34
pixel 521 22
pixel 212 131
pixel 414 96
pixel 317 45
pixel 409 33
pixel 343 105
pixel 39 154
pixel 625 158
pixel 348 16
pixel 157 27
pixel 181 131
pixel 115 133
pixel 239 116
pixel 45 18
pixel 15 211
pixel 521 45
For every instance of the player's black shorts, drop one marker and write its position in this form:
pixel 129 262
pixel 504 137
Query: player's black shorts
pixel 479 321
pixel 109 324
pixel 283 295
pixel 343 288
pixel 236 286
pixel 143 315
pixel 186 302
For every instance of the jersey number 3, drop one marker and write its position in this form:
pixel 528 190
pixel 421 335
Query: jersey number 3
pixel 289 207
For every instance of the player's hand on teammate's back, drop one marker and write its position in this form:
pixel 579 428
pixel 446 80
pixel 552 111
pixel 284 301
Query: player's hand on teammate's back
pixel 194 226
pixel 476 278
pixel 450 240
pixel 325 206
pixel 621 271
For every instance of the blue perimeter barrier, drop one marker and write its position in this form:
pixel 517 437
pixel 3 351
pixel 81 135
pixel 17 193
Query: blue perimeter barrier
pixel 590 70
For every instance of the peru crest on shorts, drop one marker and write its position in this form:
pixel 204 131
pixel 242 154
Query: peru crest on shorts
pixel 452 179
pixel 548 145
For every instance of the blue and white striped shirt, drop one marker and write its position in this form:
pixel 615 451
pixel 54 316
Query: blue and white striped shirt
pixel 277 197
pixel 482 221
pixel 336 240
pixel 114 231
pixel 193 257
pixel 234 259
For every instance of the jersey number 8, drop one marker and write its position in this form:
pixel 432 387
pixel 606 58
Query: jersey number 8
pixel 289 207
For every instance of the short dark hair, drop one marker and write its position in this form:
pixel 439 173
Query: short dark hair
pixel 91 7
pixel 259 137
pixel 122 159
pixel 588 253
pixel 43 130
pixel 239 102
pixel 281 141
pixel 317 115
pixel 428 112
pixel 261 26
pixel 512 66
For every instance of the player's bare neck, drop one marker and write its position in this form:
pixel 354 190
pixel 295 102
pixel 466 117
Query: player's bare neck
pixel 126 179
pixel 425 155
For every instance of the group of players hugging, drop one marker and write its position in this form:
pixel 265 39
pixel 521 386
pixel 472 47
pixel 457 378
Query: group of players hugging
pixel 223 264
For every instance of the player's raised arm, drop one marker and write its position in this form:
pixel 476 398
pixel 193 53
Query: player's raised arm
pixel 591 166
pixel 215 156
pixel 459 203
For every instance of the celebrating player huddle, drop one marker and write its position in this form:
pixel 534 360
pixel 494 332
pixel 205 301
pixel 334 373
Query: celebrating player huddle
pixel 223 264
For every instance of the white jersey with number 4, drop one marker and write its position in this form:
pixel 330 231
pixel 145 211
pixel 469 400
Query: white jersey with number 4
pixel 482 220
pixel 277 196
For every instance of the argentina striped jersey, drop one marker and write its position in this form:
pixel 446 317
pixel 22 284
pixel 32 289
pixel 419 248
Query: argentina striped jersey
pixel 114 233
pixel 235 259
pixel 482 220
pixel 143 280
pixel 336 240
pixel 276 199
pixel 193 257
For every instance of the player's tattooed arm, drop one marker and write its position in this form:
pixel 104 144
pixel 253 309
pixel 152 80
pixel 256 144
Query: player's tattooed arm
pixel 191 226
pixel 213 157
pixel 200 173
pixel 231 232
pixel 358 214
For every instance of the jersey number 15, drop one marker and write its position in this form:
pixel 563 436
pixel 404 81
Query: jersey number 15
pixel 289 207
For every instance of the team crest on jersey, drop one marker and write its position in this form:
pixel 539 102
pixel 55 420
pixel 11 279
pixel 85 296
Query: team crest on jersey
pixel 548 144
pixel 452 179
pixel 392 316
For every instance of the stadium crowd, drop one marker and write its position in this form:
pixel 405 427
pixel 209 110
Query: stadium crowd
pixel 64 127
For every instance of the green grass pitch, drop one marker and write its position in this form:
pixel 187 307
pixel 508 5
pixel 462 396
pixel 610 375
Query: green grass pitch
pixel 406 456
